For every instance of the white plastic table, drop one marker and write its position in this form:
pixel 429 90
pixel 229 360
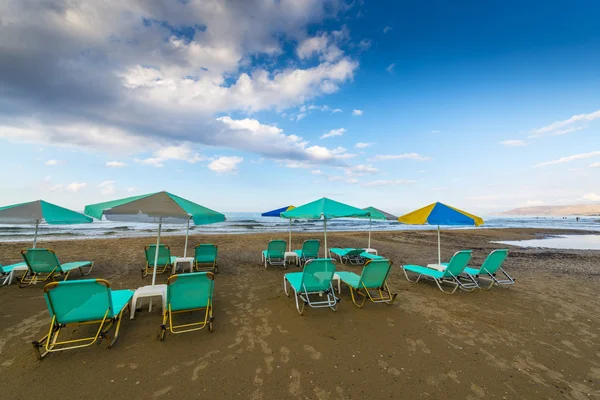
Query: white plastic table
pixel 149 291
pixel 189 260
pixel 372 251
pixel 8 280
pixel 291 254
pixel 336 277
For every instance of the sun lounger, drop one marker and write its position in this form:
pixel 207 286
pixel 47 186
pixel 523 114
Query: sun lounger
pixel 185 293
pixel 489 269
pixel 164 261
pixel 373 278
pixel 315 279
pixel 350 255
pixel 371 256
pixel 451 275
pixel 205 257
pixel 310 251
pixel 84 302
pixel 275 253
pixel 43 265
pixel 9 271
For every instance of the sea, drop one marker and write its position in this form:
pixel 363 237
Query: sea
pixel 248 222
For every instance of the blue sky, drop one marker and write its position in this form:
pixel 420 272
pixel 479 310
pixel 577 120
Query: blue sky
pixel 252 105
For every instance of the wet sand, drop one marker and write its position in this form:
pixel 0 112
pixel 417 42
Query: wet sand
pixel 537 340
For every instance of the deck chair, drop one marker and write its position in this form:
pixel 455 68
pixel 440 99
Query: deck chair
pixel 350 255
pixel 310 251
pixel 205 257
pixel 165 260
pixel 275 253
pixel 43 265
pixel 489 269
pixel 8 271
pixel 373 278
pixel 451 274
pixel 315 279
pixel 84 302
pixel 371 256
pixel 185 293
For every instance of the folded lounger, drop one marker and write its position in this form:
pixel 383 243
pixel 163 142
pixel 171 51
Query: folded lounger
pixel 275 253
pixel 9 271
pixel 83 302
pixel 163 263
pixel 205 257
pixel 373 278
pixel 451 274
pixel 310 251
pixel 489 269
pixel 185 293
pixel 43 265
pixel 353 256
pixel 315 279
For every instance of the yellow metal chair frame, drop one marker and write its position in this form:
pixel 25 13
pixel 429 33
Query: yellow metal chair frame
pixel 31 278
pixel 149 268
pixel 50 342
pixel 384 293
pixel 213 266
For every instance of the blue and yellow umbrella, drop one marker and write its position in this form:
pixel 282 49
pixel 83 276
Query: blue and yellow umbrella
pixel 277 213
pixel 440 214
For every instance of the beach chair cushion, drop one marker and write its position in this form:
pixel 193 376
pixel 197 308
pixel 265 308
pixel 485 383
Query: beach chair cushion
pixel 190 291
pixel 6 269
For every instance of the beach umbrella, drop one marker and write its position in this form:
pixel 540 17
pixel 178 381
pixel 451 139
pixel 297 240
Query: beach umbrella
pixel 40 211
pixel 277 213
pixel 155 208
pixel 440 214
pixel 377 214
pixel 324 208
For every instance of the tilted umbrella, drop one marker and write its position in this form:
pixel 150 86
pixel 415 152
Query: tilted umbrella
pixel 324 208
pixel 440 214
pixel 377 214
pixel 38 212
pixel 155 208
pixel 277 213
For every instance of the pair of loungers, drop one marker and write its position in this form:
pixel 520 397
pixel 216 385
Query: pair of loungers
pixel 318 274
pixel 353 256
pixel 92 301
pixel 275 253
pixel 205 259
pixel 458 275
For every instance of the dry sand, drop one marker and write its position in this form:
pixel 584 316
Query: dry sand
pixel 537 340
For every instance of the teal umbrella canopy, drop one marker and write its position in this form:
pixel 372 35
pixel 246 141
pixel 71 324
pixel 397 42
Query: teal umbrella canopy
pixel 375 213
pixel 36 212
pixel 325 208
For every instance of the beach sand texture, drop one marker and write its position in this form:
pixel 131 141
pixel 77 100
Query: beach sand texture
pixel 537 340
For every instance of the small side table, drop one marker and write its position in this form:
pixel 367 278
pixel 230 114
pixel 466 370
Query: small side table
pixel 291 255
pixel 178 260
pixel 336 277
pixel 11 275
pixel 149 291
pixel 372 251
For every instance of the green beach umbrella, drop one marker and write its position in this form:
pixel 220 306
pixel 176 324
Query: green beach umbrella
pixel 377 214
pixel 327 209
pixel 155 208
pixel 40 211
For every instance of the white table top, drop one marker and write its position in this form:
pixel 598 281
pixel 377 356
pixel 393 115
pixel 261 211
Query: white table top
pixel 184 259
pixel 151 290
pixel 437 267
pixel 291 254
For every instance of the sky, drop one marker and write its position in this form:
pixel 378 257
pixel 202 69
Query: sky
pixel 251 105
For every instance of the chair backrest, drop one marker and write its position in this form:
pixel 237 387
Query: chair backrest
pixel 458 263
pixel 374 273
pixel 41 260
pixel 276 248
pixel 206 253
pixel 164 254
pixel 354 252
pixel 189 291
pixel 317 274
pixel 310 248
pixel 494 261
pixel 79 301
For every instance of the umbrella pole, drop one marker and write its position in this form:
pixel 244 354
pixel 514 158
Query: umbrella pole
pixel 187 232
pixel 439 248
pixel 325 229
pixel 37 224
pixel 156 253
pixel 370 233
pixel 290 241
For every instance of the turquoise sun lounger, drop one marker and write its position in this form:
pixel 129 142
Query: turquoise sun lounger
pixel 43 265
pixel 451 275
pixel 310 251
pixel 373 278
pixel 489 269
pixel 84 302
pixel 205 257
pixel 315 279
pixel 275 253
pixel 9 271
pixel 348 255
pixel 164 262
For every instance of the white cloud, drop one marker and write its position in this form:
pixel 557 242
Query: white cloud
pixel 181 152
pixel 574 157
pixel 132 189
pixel 387 29
pixel 74 187
pixel 115 164
pixel 558 127
pixel 514 143
pixel 388 182
pixel 53 163
pixel 225 164
pixel 534 203
pixel 362 145
pixel 595 165
pixel 107 188
pixel 357 113
pixel 300 116
pixel 323 45
pixel 569 130
pixel 333 132
pixel 316 172
pixel 591 197
pixel 406 156
pixel 390 68
pixel 361 170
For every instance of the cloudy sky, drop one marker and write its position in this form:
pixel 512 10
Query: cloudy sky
pixel 249 105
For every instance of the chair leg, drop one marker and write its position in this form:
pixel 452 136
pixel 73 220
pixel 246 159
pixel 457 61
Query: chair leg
pixel 358 292
pixel 89 271
pixel 408 279
pixel 437 281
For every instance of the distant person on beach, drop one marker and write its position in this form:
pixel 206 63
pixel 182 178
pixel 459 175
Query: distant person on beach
pixel 577 219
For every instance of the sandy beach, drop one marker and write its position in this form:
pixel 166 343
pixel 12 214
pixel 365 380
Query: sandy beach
pixel 537 340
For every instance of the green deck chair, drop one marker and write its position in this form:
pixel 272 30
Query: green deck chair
pixel 43 265
pixel 373 278
pixel 310 251
pixel 84 302
pixel 165 260
pixel 315 279
pixel 205 257
pixel 489 269
pixel 9 271
pixel 451 275
pixel 275 253
pixel 185 293
pixel 350 255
